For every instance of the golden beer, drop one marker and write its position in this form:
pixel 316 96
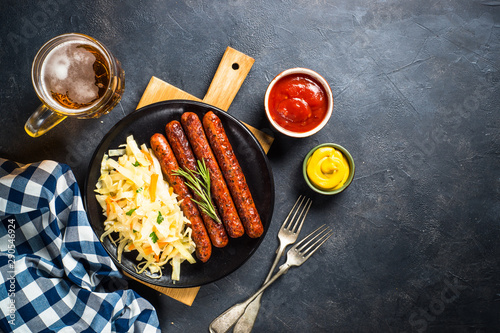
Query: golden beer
pixel 74 75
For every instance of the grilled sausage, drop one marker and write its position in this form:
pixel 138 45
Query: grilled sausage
pixel 185 157
pixel 169 165
pixel 201 148
pixel 233 174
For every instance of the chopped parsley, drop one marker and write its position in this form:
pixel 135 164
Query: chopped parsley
pixel 160 218
pixel 153 236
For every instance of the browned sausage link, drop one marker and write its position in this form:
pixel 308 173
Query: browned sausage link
pixel 196 136
pixel 233 174
pixel 185 157
pixel 169 165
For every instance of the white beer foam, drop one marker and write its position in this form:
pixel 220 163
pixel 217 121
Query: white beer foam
pixel 61 67
pixel 69 70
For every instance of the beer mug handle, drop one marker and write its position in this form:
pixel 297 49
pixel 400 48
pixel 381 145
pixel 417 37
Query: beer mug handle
pixel 41 121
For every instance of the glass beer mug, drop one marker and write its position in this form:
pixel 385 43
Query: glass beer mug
pixel 74 75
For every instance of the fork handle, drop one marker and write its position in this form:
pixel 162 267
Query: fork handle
pixel 247 319
pixel 225 321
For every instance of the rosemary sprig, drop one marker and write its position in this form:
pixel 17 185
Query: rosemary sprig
pixel 201 187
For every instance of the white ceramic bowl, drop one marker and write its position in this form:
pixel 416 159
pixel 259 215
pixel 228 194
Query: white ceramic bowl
pixel 319 79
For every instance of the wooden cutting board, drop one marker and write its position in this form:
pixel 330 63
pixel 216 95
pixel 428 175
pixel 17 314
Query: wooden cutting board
pixel 232 71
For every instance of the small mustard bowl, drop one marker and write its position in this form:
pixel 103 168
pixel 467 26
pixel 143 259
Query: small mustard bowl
pixel 328 168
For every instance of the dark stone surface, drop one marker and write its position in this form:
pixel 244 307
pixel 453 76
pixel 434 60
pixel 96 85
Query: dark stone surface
pixel 417 96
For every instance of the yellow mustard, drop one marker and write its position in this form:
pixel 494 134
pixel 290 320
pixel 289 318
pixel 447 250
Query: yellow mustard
pixel 327 168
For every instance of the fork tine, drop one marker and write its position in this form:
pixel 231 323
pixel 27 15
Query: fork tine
pixel 286 224
pixel 309 237
pixel 319 242
pixel 318 237
pixel 303 216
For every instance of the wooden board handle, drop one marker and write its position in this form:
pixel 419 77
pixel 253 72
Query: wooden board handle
pixel 232 71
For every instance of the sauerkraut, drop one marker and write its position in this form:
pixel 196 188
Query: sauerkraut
pixel 142 211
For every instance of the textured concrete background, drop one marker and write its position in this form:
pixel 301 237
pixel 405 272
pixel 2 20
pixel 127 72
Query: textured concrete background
pixel 417 96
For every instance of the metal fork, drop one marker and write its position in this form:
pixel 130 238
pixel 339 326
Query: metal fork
pixel 287 235
pixel 296 256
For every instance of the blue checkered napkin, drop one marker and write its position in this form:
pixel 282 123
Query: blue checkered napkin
pixel 54 273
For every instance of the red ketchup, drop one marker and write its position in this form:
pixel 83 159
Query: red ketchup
pixel 298 103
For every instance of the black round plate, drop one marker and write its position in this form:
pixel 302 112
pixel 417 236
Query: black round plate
pixel 151 119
